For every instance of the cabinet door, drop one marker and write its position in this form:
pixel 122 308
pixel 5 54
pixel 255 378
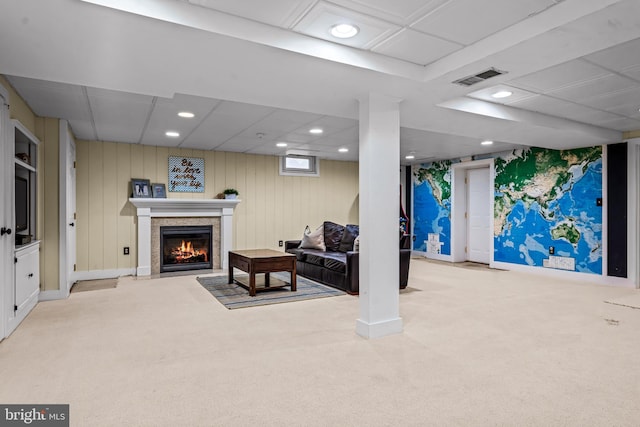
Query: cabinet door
pixel 27 276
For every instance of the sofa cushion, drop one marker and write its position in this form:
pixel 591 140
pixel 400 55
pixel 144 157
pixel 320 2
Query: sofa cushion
pixel 314 256
pixel 313 239
pixel 351 231
pixel 335 261
pixel 332 235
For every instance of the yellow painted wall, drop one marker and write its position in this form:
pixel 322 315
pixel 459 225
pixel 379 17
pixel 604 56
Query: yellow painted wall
pixel 273 207
pixel 47 227
pixel 631 134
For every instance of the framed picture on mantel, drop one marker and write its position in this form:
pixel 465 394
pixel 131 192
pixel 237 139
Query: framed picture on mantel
pixel 159 191
pixel 140 188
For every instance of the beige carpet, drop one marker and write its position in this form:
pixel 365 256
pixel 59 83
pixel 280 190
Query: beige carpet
pixel 479 348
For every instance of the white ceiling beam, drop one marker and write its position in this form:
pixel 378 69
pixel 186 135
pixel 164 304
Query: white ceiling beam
pixel 233 26
pixel 505 112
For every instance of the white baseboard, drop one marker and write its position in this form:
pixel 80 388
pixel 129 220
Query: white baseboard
pixel 53 295
pixel 438 257
pixel 567 275
pixel 103 274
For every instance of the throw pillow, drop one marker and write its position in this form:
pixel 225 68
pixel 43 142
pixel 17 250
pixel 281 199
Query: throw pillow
pixel 356 244
pixel 332 235
pixel 313 239
pixel 351 231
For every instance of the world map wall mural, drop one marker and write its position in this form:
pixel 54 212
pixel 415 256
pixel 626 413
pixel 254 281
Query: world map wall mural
pixel 549 198
pixel 546 208
pixel 432 207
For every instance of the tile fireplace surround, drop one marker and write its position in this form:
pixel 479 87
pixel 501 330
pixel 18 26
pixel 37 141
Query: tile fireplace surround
pixel 181 208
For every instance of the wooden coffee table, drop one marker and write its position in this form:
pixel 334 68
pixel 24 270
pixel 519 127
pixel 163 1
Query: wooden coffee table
pixel 256 261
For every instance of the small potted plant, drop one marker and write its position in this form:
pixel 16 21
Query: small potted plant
pixel 230 193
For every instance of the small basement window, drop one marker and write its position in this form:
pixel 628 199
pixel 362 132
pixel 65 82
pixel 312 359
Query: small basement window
pixel 299 165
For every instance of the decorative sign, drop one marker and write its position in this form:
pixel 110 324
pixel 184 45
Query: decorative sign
pixel 186 174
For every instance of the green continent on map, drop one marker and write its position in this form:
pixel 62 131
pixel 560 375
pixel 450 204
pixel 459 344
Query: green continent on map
pixel 437 175
pixel 536 175
pixel 566 231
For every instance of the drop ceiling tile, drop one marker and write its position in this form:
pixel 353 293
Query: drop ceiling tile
pixel 82 129
pixel 486 94
pixel 416 47
pixel 622 124
pixel 402 12
pixel 51 99
pixel 119 116
pixel 565 109
pixel 562 75
pixel 164 117
pixel 281 13
pixel 318 23
pixel 618 58
pixel 632 72
pixel 585 91
pixel 467 21
pixel 227 120
pixel 615 100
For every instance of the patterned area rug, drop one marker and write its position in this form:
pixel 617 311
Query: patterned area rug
pixel 235 296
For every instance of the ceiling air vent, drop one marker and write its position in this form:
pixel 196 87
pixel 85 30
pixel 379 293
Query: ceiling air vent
pixel 480 77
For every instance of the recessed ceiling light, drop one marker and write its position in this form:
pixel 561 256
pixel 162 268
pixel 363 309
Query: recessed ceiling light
pixel 186 114
pixel 344 31
pixel 281 144
pixel 172 134
pixel 316 131
pixel 410 156
pixel 486 142
pixel 502 94
pixel 343 150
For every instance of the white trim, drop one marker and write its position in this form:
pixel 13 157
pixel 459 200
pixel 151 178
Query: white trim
pixel 633 207
pixel 52 295
pixel 65 139
pixel 459 203
pixel 576 276
pixel 379 329
pixel 437 257
pixel 4 94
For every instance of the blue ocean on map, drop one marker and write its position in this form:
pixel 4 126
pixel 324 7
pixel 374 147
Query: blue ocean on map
pixel 430 217
pixel 527 237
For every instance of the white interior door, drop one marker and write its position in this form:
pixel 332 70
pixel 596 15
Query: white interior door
pixel 67 207
pixel 478 215
pixel 71 212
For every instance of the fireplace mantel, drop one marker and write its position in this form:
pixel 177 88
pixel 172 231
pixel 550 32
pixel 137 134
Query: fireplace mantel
pixel 147 208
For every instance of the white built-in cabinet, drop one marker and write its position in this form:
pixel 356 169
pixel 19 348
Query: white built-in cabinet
pixel 21 291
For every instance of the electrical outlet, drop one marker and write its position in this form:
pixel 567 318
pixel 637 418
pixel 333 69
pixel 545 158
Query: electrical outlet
pixel 599 201
pixel 126 250
pixel 552 250
pixel 280 243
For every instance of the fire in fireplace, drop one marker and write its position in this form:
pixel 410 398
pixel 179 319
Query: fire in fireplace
pixel 185 248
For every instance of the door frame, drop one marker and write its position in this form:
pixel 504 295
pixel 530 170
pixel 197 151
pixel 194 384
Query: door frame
pixel 459 197
pixel 6 247
pixel 66 276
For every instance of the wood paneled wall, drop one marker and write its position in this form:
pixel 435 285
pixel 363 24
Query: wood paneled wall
pixel 273 207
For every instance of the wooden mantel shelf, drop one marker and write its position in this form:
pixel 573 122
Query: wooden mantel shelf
pixel 198 204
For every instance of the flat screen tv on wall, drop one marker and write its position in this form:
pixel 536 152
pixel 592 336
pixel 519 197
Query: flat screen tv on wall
pixel 22 204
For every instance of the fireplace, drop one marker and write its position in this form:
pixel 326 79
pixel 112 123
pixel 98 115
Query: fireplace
pixel 185 248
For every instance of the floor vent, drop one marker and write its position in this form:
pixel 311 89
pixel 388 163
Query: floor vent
pixel 480 77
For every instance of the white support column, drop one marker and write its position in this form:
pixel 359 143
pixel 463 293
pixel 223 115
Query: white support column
pixel 144 242
pixel 379 206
